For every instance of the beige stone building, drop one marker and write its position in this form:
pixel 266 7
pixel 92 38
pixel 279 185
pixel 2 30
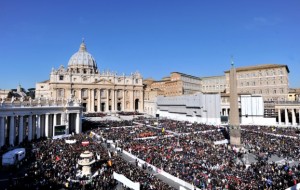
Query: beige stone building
pixel 176 84
pixel 4 93
pixel 213 84
pixel 294 94
pixel 269 80
pixel 150 97
pixel 103 91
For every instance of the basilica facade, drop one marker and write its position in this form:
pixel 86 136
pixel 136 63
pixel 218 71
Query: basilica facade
pixel 98 91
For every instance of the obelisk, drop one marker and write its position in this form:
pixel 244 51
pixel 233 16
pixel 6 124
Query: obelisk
pixel 234 121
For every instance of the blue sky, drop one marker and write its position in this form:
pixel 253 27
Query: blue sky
pixel 154 37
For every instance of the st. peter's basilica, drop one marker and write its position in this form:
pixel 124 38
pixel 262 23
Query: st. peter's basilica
pixel 98 91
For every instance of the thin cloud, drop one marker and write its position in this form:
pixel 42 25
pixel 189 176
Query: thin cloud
pixel 259 22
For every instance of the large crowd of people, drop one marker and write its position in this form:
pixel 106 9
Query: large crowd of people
pixel 185 150
pixel 284 131
pixel 210 166
pixel 53 164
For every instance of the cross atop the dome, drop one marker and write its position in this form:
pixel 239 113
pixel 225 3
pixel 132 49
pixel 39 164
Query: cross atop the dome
pixel 82 46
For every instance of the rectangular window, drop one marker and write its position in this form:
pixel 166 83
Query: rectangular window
pixel 61 77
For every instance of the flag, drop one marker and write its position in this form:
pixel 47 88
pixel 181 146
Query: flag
pixel 91 134
pixel 57 158
pixel 109 154
pixel 85 143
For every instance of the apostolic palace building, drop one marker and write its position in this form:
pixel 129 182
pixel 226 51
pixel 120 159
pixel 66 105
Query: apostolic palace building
pixel 97 91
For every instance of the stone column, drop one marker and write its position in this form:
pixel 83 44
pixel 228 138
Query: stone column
pixel 30 127
pixel 123 104
pixel 279 116
pixel 78 123
pixel 93 100
pixel 117 95
pixel 80 93
pixel 88 106
pixel 286 116
pixel 293 117
pixel 12 130
pixel 54 119
pixel 21 129
pixel 2 131
pixel 42 127
pixel 54 124
pixel 47 125
pixel 34 126
pixel 62 118
pixel 99 101
pixel 132 100
pixel 38 127
pixel 107 100
pixel 112 100
pixel 141 106
pixel 66 122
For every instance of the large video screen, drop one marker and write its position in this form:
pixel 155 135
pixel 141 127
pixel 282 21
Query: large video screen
pixel 59 130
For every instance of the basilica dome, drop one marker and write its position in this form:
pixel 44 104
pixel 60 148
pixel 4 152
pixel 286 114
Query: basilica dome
pixel 82 59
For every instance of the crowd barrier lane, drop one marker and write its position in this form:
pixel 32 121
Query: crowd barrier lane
pixel 295 187
pixel 161 172
pixel 126 181
pixel 273 134
pixel 154 137
pixel 179 181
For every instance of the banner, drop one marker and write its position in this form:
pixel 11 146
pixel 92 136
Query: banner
pixel 85 143
pixel 121 178
pixel 221 142
pixel 70 141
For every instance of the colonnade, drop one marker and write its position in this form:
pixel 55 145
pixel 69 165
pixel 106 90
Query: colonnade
pixel 28 123
pixel 283 119
pixel 105 100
